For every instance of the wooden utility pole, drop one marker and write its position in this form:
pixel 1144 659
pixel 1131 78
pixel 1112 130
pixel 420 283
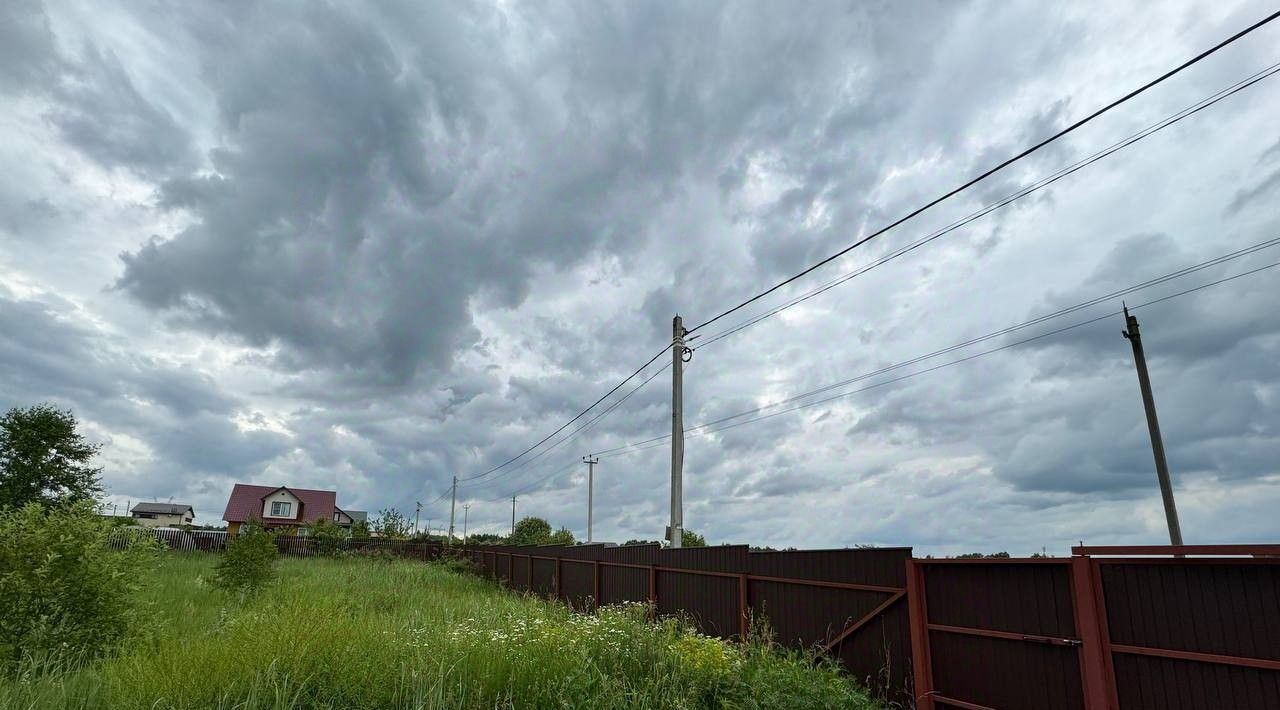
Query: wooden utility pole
pixel 675 532
pixel 1153 427
pixel 591 474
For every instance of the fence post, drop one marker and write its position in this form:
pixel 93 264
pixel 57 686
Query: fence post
pixel 744 607
pixel 557 578
pixel 918 611
pixel 1096 673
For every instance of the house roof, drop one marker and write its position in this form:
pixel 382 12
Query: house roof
pixel 165 508
pixel 356 515
pixel 245 502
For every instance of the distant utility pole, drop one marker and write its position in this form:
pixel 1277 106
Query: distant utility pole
pixel 591 475
pixel 675 531
pixel 513 516
pixel 465 509
pixel 429 528
pixel 452 503
pixel 1153 426
pixel 416 512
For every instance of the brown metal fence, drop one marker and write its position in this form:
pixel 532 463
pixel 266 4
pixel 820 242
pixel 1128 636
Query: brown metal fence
pixel 850 603
pixel 1111 628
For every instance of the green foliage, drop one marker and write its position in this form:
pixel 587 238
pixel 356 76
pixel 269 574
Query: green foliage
pixel 64 592
pixel 560 537
pixel 248 564
pixel 327 538
pixel 43 459
pixel 360 529
pixel 392 525
pixel 486 539
pixel 689 538
pixel 347 633
pixel 531 531
pixel 982 556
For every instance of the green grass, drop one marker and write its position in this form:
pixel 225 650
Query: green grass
pixel 371 634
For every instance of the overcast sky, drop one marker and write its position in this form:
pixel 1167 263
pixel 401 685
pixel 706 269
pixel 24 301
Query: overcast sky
pixel 368 247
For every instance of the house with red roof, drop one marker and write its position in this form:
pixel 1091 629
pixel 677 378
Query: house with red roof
pixel 280 508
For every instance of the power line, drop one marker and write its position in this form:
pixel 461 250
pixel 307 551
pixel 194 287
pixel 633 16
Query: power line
pixel 706 427
pixel 1008 199
pixel 988 173
pixel 576 417
pixel 530 461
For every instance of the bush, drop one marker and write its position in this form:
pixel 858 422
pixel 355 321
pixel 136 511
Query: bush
pixel 248 564
pixel 327 538
pixel 65 594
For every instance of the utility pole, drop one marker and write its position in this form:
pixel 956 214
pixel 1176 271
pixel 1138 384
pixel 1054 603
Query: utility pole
pixel 675 531
pixel 591 475
pixel 513 516
pixel 429 528
pixel 1153 426
pixel 416 512
pixel 452 503
pixel 465 509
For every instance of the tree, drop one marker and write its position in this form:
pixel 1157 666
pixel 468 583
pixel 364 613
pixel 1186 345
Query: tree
pixel 392 524
pixel 43 459
pixel 327 537
pixel 485 539
pixel 531 531
pixel 360 529
pixel 689 538
pixel 563 536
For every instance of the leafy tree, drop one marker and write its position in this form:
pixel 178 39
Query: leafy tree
pixel 689 538
pixel 485 539
pixel 981 556
pixel 327 537
pixel 360 529
pixel 248 564
pixel 563 536
pixel 64 587
pixel 392 524
pixel 531 531
pixel 43 459
pixel 642 542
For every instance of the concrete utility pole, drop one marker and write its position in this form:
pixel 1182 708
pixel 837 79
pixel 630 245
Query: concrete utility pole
pixel 429 528
pixel 453 502
pixel 1153 426
pixel 675 529
pixel 591 475
pixel 465 509
pixel 416 512
pixel 513 516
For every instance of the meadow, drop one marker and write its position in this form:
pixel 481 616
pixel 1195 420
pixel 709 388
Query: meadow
pixel 360 633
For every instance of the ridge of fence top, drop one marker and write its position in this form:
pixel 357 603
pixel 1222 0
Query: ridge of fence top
pixel 1247 550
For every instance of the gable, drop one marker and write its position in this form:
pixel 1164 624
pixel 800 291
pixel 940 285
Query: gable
pixel 281 504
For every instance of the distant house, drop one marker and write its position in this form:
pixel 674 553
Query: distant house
pixel 159 515
pixel 348 518
pixel 279 508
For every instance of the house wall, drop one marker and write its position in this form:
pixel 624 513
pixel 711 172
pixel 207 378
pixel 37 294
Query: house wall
pixel 162 520
pixel 280 496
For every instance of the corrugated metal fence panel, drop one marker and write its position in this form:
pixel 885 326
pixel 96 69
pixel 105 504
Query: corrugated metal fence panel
pixel 879 653
pixel 710 603
pixel 724 558
pixel 577 583
pixel 623 584
pixel 1224 609
pixel 1220 607
pixel 883 566
pixel 1031 598
pixel 631 554
pixel 542 576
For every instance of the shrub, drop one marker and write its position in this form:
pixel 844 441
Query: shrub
pixel 248 564
pixel 64 592
pixel 327 538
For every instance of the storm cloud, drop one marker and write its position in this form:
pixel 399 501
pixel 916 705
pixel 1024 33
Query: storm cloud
pixel 373 246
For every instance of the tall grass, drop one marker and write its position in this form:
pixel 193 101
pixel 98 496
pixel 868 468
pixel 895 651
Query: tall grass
pixel 370 634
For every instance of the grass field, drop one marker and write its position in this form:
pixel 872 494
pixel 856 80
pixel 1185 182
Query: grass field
pixel 376 634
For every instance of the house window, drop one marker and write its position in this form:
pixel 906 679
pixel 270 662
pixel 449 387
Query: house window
pixel 281 509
